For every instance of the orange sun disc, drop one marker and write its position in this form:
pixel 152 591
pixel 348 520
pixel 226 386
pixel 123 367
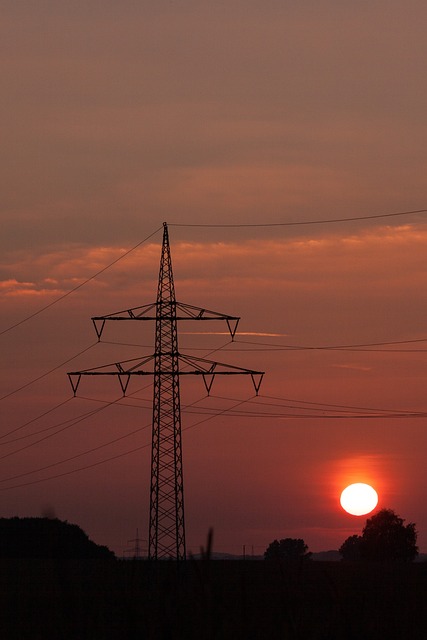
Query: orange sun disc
pixel 359 499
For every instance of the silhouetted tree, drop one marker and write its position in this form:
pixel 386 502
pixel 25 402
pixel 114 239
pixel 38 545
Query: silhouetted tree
pixel 385 537
pixel 46 538
pixel 288 549
pixel 351 548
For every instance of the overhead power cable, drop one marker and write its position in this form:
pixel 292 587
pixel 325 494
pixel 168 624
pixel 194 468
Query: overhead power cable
pixel 327 405
pixel 77 455
pixel 79 286
pixel 72 471
pixel 43 375
pixel 33 434
pixel 335 410
pixel 69 421
pixel 304 222
pixel 367 346
pixel 268 347
pixel 95 464
pixel 67 424
pixel 256 400
pixel 39 417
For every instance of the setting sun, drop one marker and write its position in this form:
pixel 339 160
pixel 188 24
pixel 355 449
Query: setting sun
pixel 359 499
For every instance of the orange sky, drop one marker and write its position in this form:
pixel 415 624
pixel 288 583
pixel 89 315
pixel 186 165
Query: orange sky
pixel 120 117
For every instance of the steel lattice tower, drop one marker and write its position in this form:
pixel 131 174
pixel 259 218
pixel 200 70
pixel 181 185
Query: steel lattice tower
pixel 166 530
pixel 166 522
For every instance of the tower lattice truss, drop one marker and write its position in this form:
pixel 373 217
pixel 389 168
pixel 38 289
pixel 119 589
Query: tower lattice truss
pixel 166 365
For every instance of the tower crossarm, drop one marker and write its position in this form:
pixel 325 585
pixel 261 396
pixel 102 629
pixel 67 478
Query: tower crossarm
pixel 144 312
pixel 209 369
pixel 181 311
pixel 190 312
pixel 189 365
pixel 123 370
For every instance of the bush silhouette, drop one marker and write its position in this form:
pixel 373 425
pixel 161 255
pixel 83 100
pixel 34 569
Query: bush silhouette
pixel 351 548
pixel 46 538
pixel 289 549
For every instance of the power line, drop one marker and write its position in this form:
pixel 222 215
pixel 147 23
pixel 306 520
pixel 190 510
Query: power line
pixel 339 347
pixel 285 403
pixel 48 411
pixel 83 416
pixel 378 414
pixel 329 411
pixel 75 420
pixel 335 411
pixel 338 409
pixel 47 373
pixel 66 424
pixel 368 346
pixel 326 406
pixel 303 222
pixel 72 471
pixel 22 426
pixel 79 286
pixel 77 455
pixel 95 464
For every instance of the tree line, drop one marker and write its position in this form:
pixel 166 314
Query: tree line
pixel 385 537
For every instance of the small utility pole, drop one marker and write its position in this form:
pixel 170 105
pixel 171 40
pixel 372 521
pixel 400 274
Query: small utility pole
pixel 166 522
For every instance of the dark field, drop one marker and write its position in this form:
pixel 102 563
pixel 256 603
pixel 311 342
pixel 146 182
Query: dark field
pixel 211 599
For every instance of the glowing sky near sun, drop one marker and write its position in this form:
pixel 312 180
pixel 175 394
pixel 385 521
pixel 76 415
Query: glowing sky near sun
pixel 123 115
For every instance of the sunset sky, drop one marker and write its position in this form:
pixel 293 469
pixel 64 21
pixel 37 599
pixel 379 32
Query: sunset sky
pixel 234 122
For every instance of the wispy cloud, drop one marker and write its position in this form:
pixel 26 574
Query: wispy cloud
pixel 238 333
pixel 352 367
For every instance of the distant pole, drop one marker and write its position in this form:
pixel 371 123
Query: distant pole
pixel 137 549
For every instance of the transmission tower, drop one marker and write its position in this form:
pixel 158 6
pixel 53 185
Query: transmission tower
pixel 136 550
pixel 166 522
